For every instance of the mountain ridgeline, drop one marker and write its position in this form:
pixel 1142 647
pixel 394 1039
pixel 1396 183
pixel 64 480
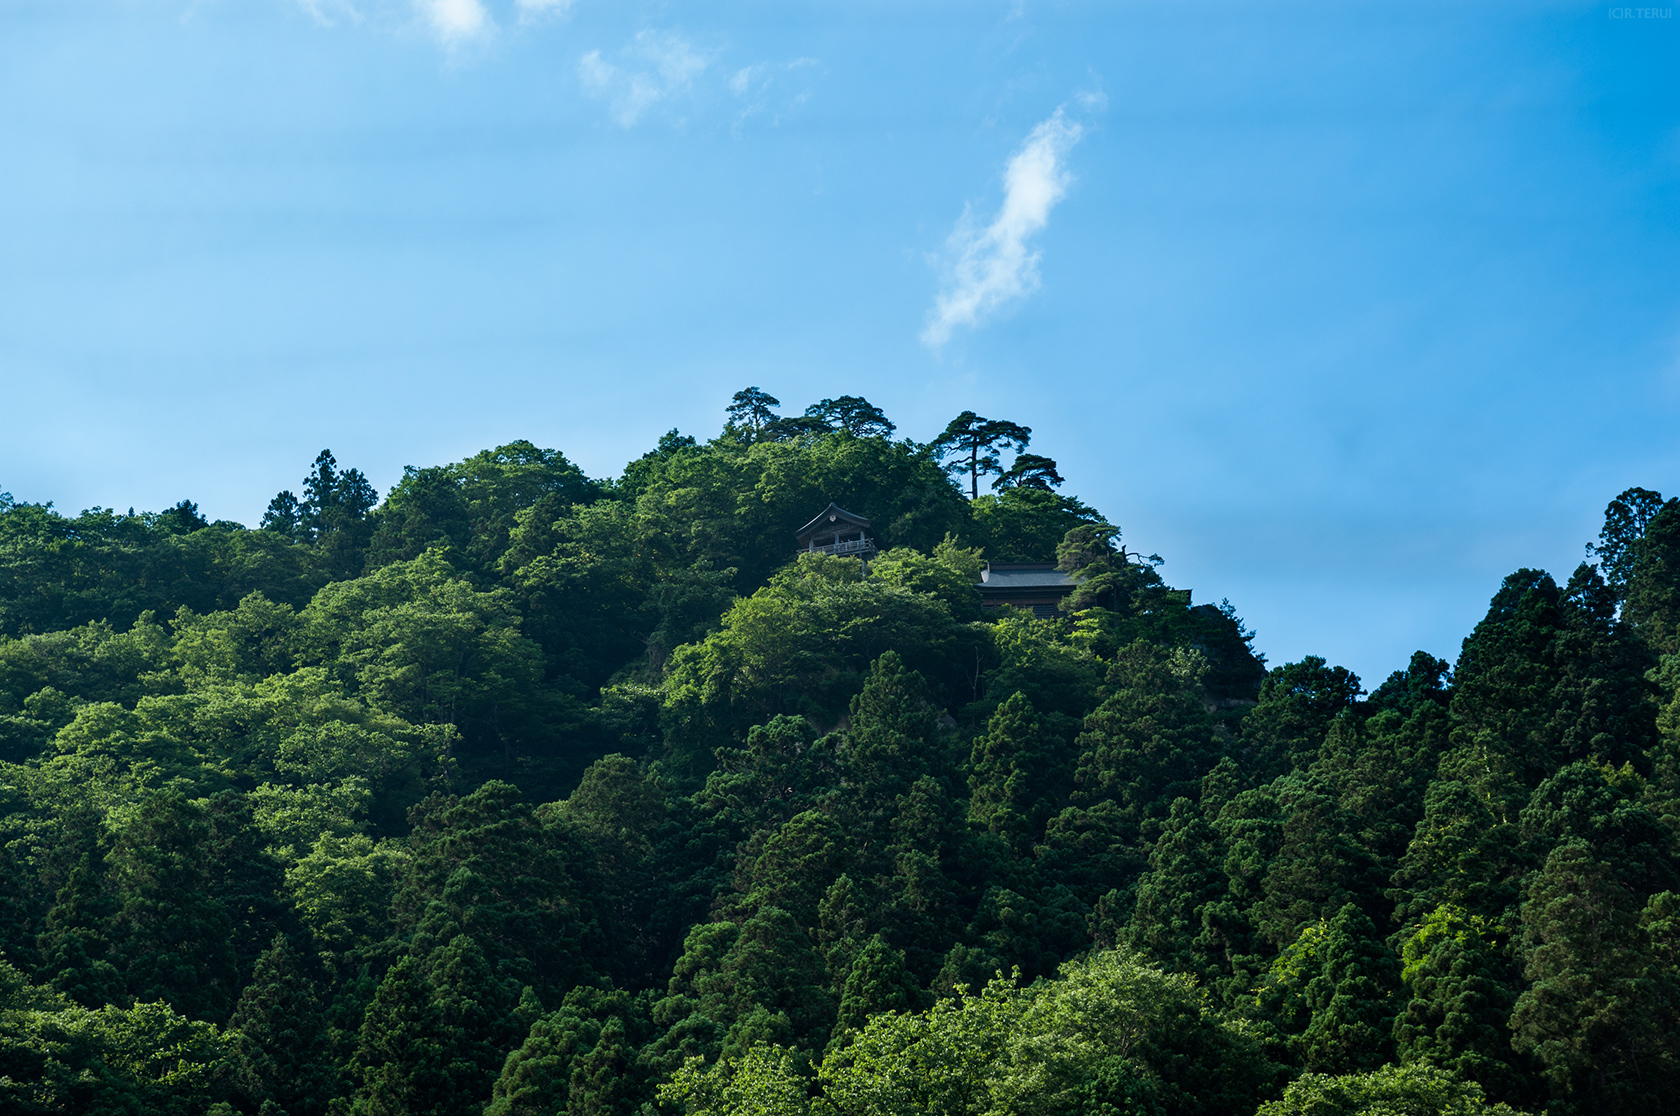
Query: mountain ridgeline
pixel 523 792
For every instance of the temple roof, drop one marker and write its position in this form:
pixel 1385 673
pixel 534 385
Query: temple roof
pixel 1023 575
pixel 832 517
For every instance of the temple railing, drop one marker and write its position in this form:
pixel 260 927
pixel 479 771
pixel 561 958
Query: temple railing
pixel 849 546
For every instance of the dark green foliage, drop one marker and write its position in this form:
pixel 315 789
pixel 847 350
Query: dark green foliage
pixel 973 444
pixel 1625 521
pixel 1318 863
pixel 1017 772
pixel 877 981
pixel 520 790
pixel 172 937
pixel 482 869
pixel 1465 853
pixel 1461 986
pixel 580 1059
pixel 1030 470
pixel 1298 703
pixel 1652 607
pixel 437 1032
pixel 1185 876
pixel 1149 743
pixel 1595 1014
pixel 854 414
pixel 75 947
pixel 1549 677
pixel 58 572
pixel 283 1054
pixel 1352 999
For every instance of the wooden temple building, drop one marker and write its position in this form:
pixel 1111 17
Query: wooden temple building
pixel 837 531
pixel 1038 586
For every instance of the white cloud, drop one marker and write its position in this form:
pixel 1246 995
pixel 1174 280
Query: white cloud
pixel 326 12
pixel 989 267
pixel 741 81
pixel 656 66
pixel 455 21
pixel 532 8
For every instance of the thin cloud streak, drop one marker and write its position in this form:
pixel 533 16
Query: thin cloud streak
pixel 529 9
pixel 992 266
pixel 656 66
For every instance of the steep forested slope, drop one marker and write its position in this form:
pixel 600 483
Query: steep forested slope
pixel 524 792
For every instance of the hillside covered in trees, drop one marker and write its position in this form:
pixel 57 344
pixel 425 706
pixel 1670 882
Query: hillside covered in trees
pixel 524 792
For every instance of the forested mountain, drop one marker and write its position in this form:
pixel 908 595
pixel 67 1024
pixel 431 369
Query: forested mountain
pixel 522 792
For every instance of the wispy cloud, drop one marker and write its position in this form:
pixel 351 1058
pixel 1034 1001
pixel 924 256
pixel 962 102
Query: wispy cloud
pixel 656 66
pixel 544 7
pixel 988 267
pixel 329 12
pixel 455 21
pixel 771 89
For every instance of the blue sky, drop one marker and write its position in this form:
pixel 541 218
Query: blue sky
pixel 1347 309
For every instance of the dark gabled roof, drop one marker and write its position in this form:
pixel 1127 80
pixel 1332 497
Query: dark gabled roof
pixel 1022 575
pixel 832 516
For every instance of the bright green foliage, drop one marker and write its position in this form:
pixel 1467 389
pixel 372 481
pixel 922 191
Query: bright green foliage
pixel 1109 1035
pixel 342 892
pixel 473 506
pixel 419 640
pixel 949 574
pixel 523 790
pixel 946 1060
pixel 803 644
pixel 55 1057
pixel 1025 524
pixel 1035 658
pixel 764 1082
pixel 1389 1091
